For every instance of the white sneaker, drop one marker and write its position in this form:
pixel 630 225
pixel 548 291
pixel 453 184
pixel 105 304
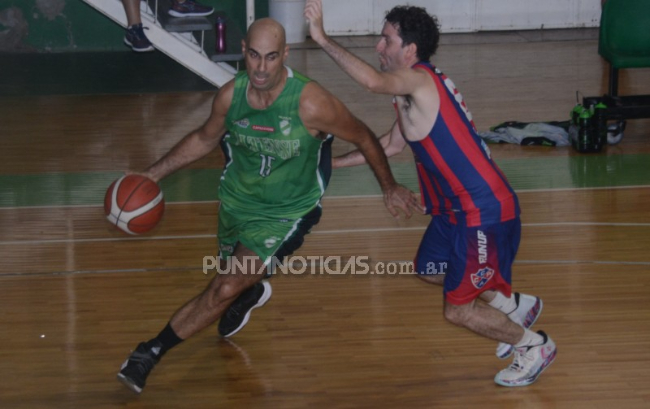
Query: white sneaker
pixel 528 310
pixel 529 363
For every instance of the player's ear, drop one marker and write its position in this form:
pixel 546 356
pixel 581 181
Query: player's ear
pixel 411 50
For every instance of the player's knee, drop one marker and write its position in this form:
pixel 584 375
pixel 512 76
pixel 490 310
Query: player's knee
pixel 224 292
pixel 457 315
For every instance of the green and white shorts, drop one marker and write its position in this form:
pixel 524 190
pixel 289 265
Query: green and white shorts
pixel 265 236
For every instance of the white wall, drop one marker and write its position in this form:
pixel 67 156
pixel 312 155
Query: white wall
pixel 362 17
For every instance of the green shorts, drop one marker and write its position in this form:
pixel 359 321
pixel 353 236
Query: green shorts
pixel 265 237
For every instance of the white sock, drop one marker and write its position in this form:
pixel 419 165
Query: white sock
pixel 530 339
pixel 504 304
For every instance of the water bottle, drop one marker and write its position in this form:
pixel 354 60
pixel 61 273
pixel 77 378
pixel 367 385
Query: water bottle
pixel 582 139
pixel 574 126
pixel 220 30
pixel 600 122
pixel 575 114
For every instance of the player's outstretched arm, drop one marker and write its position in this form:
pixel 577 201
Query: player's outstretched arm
pixel 400 82
pixel 323 113
pixel 199 142
pixel 392 143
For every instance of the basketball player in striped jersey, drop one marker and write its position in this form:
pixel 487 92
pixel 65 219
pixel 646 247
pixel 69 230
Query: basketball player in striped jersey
pixel 474 234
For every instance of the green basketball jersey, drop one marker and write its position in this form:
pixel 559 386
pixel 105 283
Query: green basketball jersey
pixel 274 167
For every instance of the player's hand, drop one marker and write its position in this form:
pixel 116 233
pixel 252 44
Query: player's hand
pixel 399 197
pixel 314 14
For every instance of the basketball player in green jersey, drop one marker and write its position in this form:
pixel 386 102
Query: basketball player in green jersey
pixel 274 127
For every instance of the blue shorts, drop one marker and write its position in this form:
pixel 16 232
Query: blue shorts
pixel 473 259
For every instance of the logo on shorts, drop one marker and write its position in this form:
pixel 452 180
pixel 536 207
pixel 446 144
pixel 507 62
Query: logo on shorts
pixel 482 247
pixel 270 242
pixel 226 248
pixel 481 277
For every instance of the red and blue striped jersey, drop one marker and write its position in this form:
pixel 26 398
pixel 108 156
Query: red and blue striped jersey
pixel 456 174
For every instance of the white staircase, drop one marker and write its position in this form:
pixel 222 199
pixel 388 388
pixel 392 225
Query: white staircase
pixel 180 46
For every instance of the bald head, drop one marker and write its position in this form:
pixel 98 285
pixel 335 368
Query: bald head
pixel 267 29
pixel 265 52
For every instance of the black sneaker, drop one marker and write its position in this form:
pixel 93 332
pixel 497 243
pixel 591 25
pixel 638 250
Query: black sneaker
pixel 239 311
pixel 189 8
pixel 136 368
pixel 136 39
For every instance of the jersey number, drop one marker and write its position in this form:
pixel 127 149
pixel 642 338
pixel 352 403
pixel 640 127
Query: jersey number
pixel 267 162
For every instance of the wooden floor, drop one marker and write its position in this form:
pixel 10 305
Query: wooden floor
pixel 76 296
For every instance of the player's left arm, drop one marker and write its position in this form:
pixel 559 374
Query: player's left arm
pixel 323 113
pixel 400 82
pixel 392 142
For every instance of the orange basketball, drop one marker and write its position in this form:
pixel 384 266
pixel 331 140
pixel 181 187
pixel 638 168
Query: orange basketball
pixel 134 204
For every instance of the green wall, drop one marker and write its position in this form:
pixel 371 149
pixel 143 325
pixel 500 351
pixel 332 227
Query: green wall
pixel 72 25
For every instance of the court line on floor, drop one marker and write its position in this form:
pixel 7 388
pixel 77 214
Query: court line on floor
pixel 374 196
pixel 199 269
pixel 315 232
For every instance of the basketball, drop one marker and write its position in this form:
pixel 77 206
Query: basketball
pixel 134 204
